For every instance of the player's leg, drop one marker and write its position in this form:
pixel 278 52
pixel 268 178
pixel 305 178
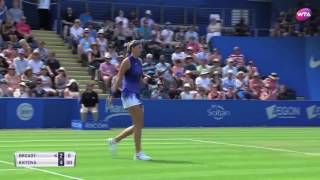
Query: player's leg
pixel 125 133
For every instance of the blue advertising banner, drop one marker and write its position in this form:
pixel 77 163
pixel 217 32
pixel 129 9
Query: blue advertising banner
pixel 52 113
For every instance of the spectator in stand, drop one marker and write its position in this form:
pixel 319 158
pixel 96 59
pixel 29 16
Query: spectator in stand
pixel 61 81
pixel 201 94
pixel 121 18
pixel 163 70
pixel 230 93
pixel 229 68
pixel 3 65
pixel 114 55
pixel 203 65
pixel 216 79
pixel 15 13
pixel 53 64
pixel 237 56
pixel 285 93
pixel 76 32
pixel 72 89
pixel 43 51
pixel 191 33
pixel 189 64
pixel 46 81
pixel 44 14
pixel 107 71
pixel 38 91
pixel 190 52
pixel 255 85
pixel 241 28
pixel 167 34
pixel 144 31
pixel 214 93
pixel 177 69
pixel 29 77
pixel 229 81
pixel 120 36
pixel 108 29
pixel 35 62
pixel 187 92
pixel 178 54
pixel 92 32
pixel 180 35
pixel 203 80
pixel 94 53
pixel 102 42
pixel 25 46
pixel 22 92
pixel 153 47
pixel 131 32
pixel 146 20
pixel 187 78
pixel 3 11
pixel 203 54
pixel 251 68
pixel 215 54
pixel 9 52
pixel 24 30
pixel 265 94
pixel 244 93
pixel 216 67
pixel 67 22
pixel 9 32
pixel 214 28
pixel 160 92
pixel 4 89
pixel 192 43
pixel 149 66
pixel 85 18
pixel 85 43
pixel 12 79
pixel 20 62
pixel 133 18
pixel 241 81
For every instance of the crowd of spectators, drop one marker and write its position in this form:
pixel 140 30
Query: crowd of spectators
pixel 27 68
pixel 177 62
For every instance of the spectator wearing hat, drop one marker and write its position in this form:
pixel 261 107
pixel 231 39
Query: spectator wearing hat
pixel 241 81
pixel 149 66
pixel 15 13
pixel 84 45
pixel 229 81
pixel 178 54
pixel 76 32
pixel 187 92
pixel 214 93
pixel 107 71
pixel 193 44
pixel 12 78
pixel 229 67
pixel 4 89
pixel 189 64
pixel 89 103
pixel 67 22
pixel 102 42
pixel 203 80
pixel 72 89
pixel 214 28
pixel 22 92
pixel 20 62
pixel 61 80
pixel 191 33
pixel 94 53
pixel 85 18
pixel 146 20
pixel 167 34
pixel 190 52
pixel 121 18
pixel 188 78
pixel 53 63
pixel 43 51
pixel 35 62
pixel 237 56
pixel 24 30
pixel 46 81
pixel 201 94
pixel 255 85
pixel 177 69
pixel 38 91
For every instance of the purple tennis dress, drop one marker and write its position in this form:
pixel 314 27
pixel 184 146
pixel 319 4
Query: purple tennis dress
pixel 131 84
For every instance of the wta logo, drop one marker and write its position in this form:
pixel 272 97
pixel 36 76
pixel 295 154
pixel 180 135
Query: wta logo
pixel 303 14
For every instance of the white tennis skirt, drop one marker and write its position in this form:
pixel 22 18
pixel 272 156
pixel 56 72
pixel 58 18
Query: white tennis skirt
pixel 129 101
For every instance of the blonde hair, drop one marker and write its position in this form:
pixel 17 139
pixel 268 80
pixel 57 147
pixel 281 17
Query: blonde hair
pixel 131 45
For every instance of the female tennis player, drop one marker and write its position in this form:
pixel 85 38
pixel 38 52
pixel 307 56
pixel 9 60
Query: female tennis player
pixel 130 75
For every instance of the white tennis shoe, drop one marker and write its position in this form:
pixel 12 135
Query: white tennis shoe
pixel 142 156
pixel 112 146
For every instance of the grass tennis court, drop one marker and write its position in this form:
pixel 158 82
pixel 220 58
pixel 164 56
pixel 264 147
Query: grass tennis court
pixel 183 153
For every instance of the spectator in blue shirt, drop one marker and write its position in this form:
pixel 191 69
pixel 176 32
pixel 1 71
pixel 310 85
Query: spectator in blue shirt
pixel 145 31
pixel 85 18
pixel 85 42
pixel 229 81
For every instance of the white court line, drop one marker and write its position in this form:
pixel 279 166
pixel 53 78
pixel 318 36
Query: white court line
pixel 13 169
pixel 45 171
pixel 77 140
pixel 88 145
pixel 252 146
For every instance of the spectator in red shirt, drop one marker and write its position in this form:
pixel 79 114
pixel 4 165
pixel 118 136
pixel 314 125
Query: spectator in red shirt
pixel 107 71
pixel 255 85
pixel 214 93
pixel 252 69
pixel 237 56
pixel 24 30
pixel 193 44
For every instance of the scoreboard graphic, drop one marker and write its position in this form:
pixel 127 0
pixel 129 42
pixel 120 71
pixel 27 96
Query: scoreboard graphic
pixel 45 159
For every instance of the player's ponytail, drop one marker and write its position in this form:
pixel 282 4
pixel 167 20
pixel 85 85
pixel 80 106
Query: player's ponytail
pixel 131 45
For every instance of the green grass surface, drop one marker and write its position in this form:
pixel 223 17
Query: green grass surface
pixel 195 153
